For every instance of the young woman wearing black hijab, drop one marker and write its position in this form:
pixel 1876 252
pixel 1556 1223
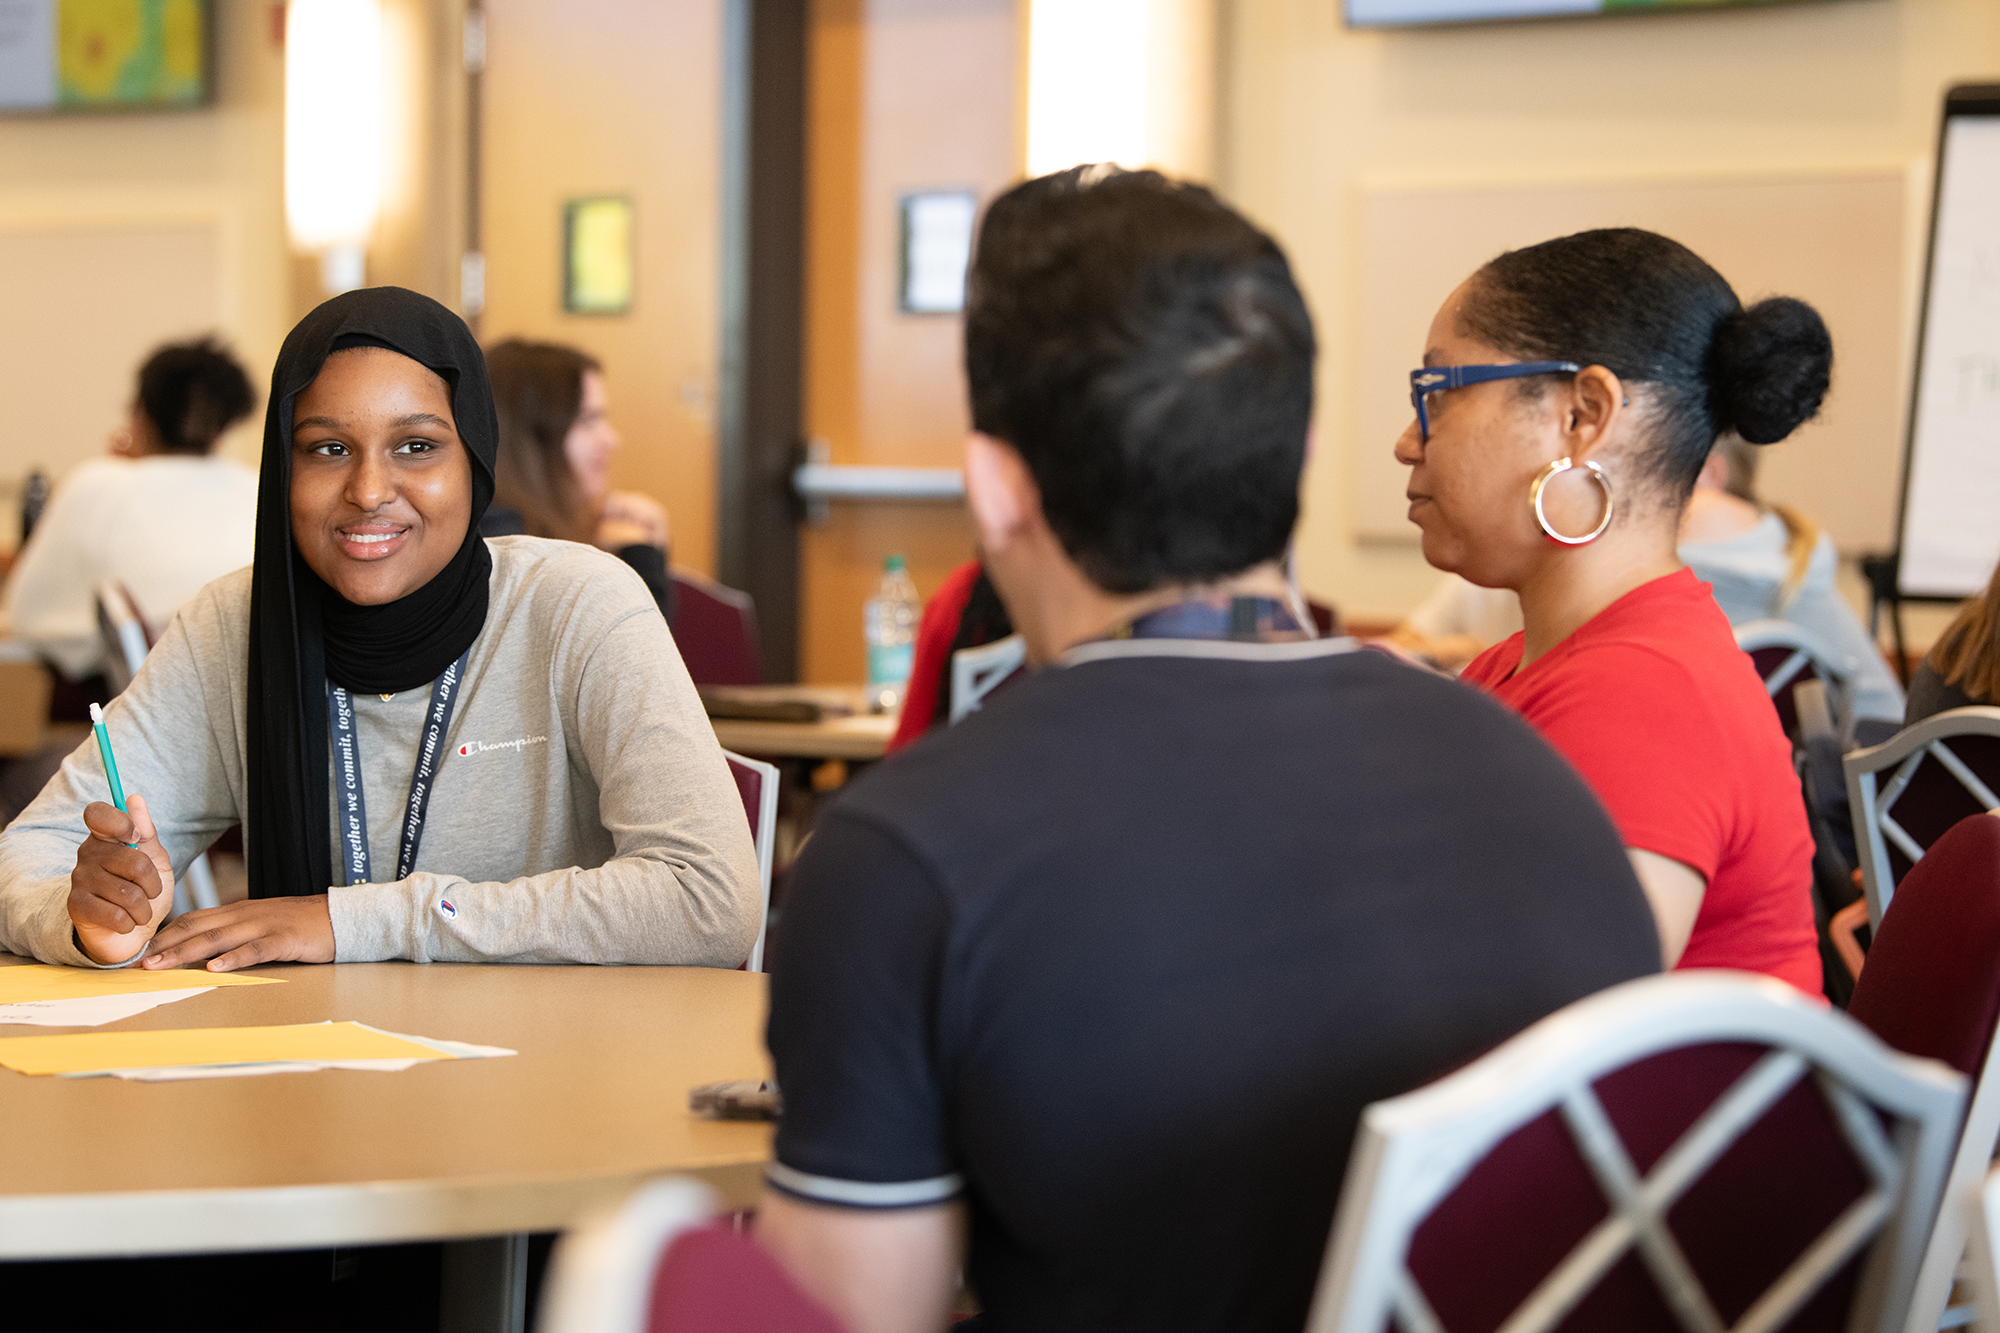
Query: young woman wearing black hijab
pixel 566 799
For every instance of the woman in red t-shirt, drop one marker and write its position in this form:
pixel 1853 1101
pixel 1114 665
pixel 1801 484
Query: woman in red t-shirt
pixel 1570 396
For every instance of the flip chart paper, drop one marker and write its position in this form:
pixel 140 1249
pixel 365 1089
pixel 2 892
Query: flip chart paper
pixel 91 1011
pixel 41 981
pixel 95 1052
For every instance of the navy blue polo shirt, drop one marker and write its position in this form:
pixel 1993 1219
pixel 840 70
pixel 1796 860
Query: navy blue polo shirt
pixel 1119 959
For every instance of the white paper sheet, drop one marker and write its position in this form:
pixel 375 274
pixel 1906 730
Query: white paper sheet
pixel 91 1011
pixel 463 1050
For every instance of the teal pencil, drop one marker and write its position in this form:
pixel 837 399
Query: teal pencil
pixel 104 748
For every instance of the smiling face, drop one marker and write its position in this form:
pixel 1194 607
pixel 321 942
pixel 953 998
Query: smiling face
pixel 381 482
pixel 1468 487
pixel 591 439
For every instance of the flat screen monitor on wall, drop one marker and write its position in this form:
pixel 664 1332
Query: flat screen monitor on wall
pixel 103 55
pixel 1401 13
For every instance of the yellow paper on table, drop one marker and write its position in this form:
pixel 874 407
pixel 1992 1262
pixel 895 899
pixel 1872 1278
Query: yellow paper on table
pixel 40 981
pixel 92 1051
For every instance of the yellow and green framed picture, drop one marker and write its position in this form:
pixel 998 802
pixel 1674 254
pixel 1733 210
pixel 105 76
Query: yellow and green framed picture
pixel 104 55
pixel 597 256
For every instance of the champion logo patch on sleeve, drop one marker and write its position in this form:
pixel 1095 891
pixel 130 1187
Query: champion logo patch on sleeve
pixel 446 910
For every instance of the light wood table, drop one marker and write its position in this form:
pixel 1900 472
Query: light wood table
pixel 595 1102
pixel 858 735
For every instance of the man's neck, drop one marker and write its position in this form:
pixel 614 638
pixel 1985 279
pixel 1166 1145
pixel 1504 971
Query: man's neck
pixel 1078 611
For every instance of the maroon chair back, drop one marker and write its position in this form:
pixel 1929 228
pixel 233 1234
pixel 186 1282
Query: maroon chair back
pixel 1932 984
pixel 718 1280
pixel 1755 1211
pixel 750 787
pixel 1935 801
pixel 716 630
pixel 1772 659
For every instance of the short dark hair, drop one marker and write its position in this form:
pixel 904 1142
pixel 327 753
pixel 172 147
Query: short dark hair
pixel 1653 313
pixel 1147 352
pixel 538 392
pixel 192 392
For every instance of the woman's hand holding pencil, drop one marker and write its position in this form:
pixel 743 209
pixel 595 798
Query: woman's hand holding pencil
pixel 122 887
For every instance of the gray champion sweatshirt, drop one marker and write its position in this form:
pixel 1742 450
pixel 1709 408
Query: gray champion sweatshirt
pixel 583 812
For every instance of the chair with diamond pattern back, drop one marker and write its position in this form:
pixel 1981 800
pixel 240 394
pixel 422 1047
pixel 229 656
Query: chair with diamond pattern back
pixel 1701 1152
pixel 1905 793
pixel 1786 657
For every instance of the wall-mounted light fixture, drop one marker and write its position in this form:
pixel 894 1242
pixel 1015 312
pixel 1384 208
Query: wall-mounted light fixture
pixel 333 133
pixel 1125 81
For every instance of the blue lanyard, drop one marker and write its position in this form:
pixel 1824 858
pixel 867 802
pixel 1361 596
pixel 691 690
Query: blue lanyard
pixel 353 801
pixel 1251 619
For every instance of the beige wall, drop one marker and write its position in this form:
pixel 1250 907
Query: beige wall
pixel 420 236
pixel 904 95
pixel 86 185
pixel 595 97
pixel 1314 114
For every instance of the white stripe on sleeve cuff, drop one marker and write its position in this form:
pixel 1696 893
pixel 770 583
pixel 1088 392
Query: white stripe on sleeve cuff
pixel 863 1193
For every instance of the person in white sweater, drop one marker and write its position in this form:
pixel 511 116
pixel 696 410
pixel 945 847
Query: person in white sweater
pixel 438 748
pixel 126 518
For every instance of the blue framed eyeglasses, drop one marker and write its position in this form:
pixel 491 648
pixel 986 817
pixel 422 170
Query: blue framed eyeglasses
pixel 1430 379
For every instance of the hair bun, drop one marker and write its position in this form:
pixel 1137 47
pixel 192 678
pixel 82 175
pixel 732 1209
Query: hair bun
pixel 1768 369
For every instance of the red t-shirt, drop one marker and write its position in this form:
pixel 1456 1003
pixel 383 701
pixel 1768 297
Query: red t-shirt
pixel 1665 718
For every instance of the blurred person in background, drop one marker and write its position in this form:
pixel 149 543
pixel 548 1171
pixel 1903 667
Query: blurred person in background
pixel 1963 668
pixel 556 439
pixel 1768 561
pixel 162 516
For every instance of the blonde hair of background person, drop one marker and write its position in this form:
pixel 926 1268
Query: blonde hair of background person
pixel 1963 667
pixel 1731 471
pixel 1767 561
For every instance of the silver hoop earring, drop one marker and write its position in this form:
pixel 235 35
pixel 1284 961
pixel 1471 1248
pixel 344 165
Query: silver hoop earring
pixel 1561 465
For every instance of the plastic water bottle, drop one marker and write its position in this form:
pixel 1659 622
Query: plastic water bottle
pixel 889 619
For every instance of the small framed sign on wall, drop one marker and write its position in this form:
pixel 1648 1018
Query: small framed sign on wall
pixel 937 247
pixel 597 256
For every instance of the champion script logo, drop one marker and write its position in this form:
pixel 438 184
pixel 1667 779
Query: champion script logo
pixel 518 744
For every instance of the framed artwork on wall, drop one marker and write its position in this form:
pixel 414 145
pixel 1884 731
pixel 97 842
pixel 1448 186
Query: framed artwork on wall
pixel 597 255
pixel 104 55
pixel 936 249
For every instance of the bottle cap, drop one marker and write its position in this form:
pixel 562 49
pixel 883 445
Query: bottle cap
pixel 893 565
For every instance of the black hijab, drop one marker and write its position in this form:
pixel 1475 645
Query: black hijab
pixel 303 633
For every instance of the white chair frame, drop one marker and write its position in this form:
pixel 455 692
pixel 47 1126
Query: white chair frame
pixel 601 1274
pixel 976 671
pixel 124 634
pixel 1945 1255
pixel 1981 1211
pixel 1871 799
pixel 764 833
pixel 1412 1150
pixel 124 653
pixel 1806 650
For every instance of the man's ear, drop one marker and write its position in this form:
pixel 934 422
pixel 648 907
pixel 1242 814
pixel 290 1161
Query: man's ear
pixel 1000 492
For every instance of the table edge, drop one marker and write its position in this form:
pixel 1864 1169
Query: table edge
pixel 301 1217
